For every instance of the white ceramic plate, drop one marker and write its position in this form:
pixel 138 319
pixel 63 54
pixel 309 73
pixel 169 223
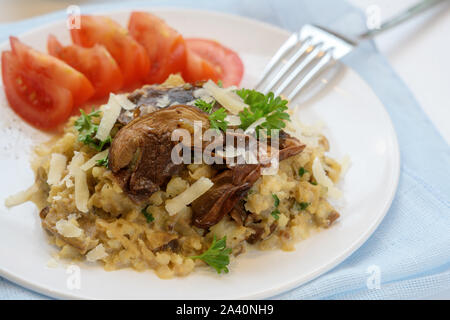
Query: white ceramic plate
pixel 357 125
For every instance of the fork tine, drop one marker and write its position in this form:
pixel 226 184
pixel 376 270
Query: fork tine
pixel 324 60
pixel 288 65
pixel 287 45
pixel 308 59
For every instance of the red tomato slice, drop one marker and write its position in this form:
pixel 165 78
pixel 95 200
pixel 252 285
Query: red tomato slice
pixel 226 60
pixel 129 54
pixel 165 47
pixel 95 63
pixel 54 69
pixel 198 69
pixel 34 97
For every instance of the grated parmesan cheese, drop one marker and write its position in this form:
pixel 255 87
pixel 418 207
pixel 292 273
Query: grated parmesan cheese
pixel 68 228
pixel 228 99
pixel 322 179
pixel 21 197
pixel 67 180
pixel 81 186
pixel 251 128
pixel 52 263
pixel 124 102
pixel 202 94
pixel 233 120
pixel 163 101
pixel 345 164
pixel 93 161
pixel 198 188
pixel 57 166
pixel 96 254
pixel 111 112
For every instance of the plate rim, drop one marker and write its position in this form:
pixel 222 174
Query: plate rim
pixel 270 292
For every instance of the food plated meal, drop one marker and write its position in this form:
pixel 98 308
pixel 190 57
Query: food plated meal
pixel 108 188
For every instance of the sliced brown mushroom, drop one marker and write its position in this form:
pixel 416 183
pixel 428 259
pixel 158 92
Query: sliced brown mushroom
pixel 238 213
pixel 140 159
pixel 289 146
pixel 231 185
pixel 140 154
pixel 150 98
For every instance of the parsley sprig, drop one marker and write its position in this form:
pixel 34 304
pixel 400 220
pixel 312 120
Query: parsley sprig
pixel 217 255
pixel 217 120
pixel 103 162
pixel 204 106
pixel 87 130
pixel 272 108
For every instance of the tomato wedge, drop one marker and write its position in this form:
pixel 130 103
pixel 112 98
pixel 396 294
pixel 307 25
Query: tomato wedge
pixel 34 97
pixel 198 69
pixel 53 69
pixel 129 54
pixel 95 63
pixel 224 59
pixel 165 47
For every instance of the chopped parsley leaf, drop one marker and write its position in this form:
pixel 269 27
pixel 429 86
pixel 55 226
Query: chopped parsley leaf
pixel 275 214
pixel 147 215
pixel 103 162
pixel 276 200
pixel 204 106
pixel 302 171
pixel 272 108
pixel 217 255
pixel 87 130
pixel 302 205
pixel 217 120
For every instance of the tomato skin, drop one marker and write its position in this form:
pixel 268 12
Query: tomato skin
pixel 127 52
pixel 54 69
pixel 34 97
pixel 95 63
pixel 199 69
pixel 230 66
pixel 165 46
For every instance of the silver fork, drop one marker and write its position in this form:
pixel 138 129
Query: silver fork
pixel 311 50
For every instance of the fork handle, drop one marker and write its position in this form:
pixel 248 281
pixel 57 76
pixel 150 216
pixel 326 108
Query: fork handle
pixel 401 17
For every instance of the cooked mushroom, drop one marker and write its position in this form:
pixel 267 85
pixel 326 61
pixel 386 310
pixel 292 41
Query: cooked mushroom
pixel 231 186
pixel 289 146
pixel 140 159
pixel 150 98
pixel 238 213
pixel 140 154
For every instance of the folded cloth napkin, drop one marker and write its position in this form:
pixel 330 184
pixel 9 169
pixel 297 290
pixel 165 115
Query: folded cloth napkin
pixel 409 253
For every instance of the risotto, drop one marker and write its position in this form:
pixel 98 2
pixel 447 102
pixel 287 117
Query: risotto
pixel 165 218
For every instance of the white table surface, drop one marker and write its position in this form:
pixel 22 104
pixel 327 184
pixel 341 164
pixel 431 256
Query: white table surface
pixel 417 50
